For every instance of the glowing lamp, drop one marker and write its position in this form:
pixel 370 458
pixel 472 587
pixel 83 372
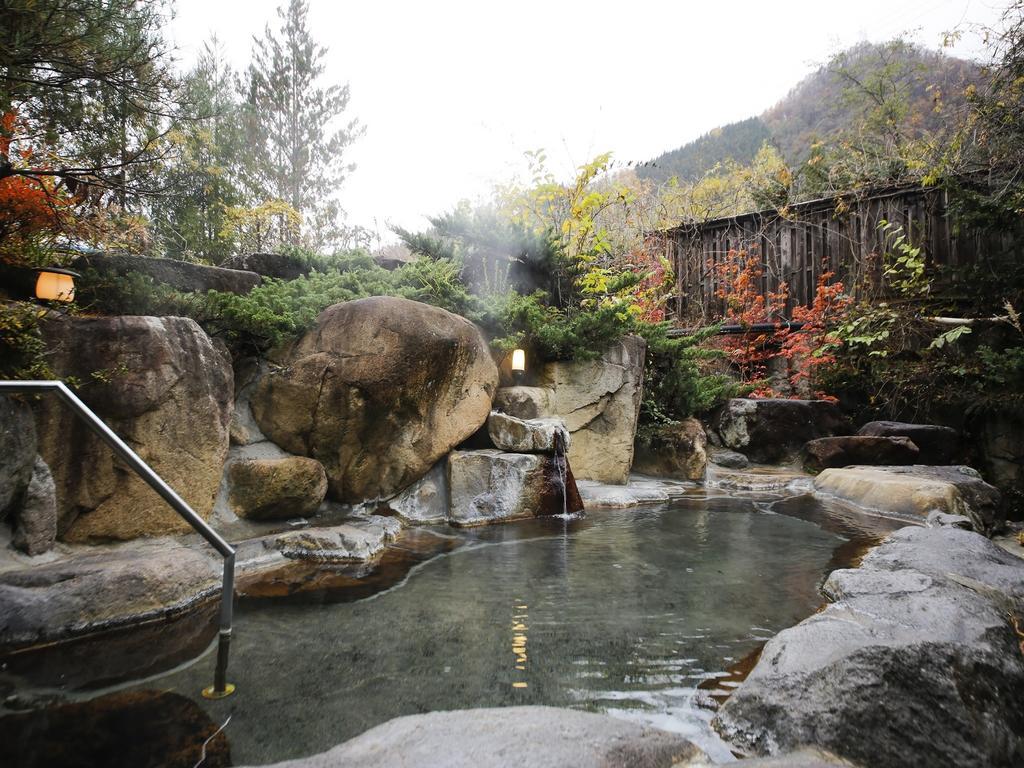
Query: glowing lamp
pixel 518 361
pixel 53 284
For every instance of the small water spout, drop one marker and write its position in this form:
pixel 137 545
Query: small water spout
pixel 561 465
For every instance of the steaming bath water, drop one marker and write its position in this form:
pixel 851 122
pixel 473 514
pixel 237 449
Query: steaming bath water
pixel 625 611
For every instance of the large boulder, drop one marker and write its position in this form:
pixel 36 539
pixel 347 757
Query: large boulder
pixel 489 486
pixel 17 459
pixel 599 400
pixel 377 391
pixel 166 390
pixel 913 492
pixel 679 451
pixel 539 737
pixel 283 266
pixel 772 430
pixel 937 444
pixel 182 275
pixel 843 451
pixel 527 435
pixel 35 523
pixel 276 489
pixel 999 438
pixel 914 663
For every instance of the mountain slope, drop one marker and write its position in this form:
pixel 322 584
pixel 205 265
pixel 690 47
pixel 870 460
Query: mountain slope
pixel 881 87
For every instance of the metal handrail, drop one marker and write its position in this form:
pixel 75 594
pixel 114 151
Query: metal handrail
pixel 220 686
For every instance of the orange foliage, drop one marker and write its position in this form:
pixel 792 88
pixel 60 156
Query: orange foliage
pixel 740 279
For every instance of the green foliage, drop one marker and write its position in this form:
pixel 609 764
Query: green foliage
pixel 22 349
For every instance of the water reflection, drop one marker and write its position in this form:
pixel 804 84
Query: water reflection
pixel 626 611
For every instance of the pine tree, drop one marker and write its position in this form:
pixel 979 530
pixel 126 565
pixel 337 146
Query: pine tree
pixel 210 164
pixel 290 116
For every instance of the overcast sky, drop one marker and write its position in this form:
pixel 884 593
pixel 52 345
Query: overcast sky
pixel 453 93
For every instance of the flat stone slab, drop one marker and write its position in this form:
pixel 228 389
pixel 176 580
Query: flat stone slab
pixel 514 435
pixel 538 737
pixel 915 661
pixel 638 491
pixel 913 492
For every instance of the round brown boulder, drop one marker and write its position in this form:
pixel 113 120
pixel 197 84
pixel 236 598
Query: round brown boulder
pixel 377 391
pixel 275 489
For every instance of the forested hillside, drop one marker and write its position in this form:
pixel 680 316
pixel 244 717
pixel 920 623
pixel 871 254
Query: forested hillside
pixel 896 87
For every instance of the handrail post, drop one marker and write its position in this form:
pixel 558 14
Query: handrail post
pixel 220 687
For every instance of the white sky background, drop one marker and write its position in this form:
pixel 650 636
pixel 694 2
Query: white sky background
pixel 453 93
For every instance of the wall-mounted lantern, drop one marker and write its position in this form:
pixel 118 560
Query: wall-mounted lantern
pixel 518 363
pixel 55 284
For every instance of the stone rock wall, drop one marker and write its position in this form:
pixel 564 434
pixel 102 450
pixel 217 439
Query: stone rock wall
pixel 378 391
pixel 164 388
pixel 772 430
pixel 599 400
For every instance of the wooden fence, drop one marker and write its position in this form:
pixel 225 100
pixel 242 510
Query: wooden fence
pixel 845 235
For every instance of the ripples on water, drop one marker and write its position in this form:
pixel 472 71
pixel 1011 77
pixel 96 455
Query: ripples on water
pixel 626 611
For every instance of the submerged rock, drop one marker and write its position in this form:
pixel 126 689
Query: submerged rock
pixel 730 459
pixel 378 391
pixel 35 524
pixel 491 486
pixel 937 445
pixel 509 433
pixel 915 491
pixel 167 391
pixel 915 662
pixel 276 489
pixel 773 430
pixel 538 737
pixel 843 451
pixel 128 729
pixel 679 452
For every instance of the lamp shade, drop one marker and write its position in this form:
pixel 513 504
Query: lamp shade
pixel 55 285
pixel 518 360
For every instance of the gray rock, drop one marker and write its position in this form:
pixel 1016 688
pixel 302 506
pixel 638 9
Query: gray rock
pixel 773 430
pixel 523 402
pixel 426 500
pixel 349 542
pixel 914 663
pixel 999 437
pixel 164 388
pixel 937 445
pixel 914 492
pixel 18 438
pixel 515 435
pixel 843 451
pixel 679 451
pixel 538 737
pixel 282 266
pixel 182 275
pixel 938 519
pixel 378 391
pixel 489 486
pixel 638 491
pixel 243 429
pixel 730 459
pixel 35 523
pixel 101 590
